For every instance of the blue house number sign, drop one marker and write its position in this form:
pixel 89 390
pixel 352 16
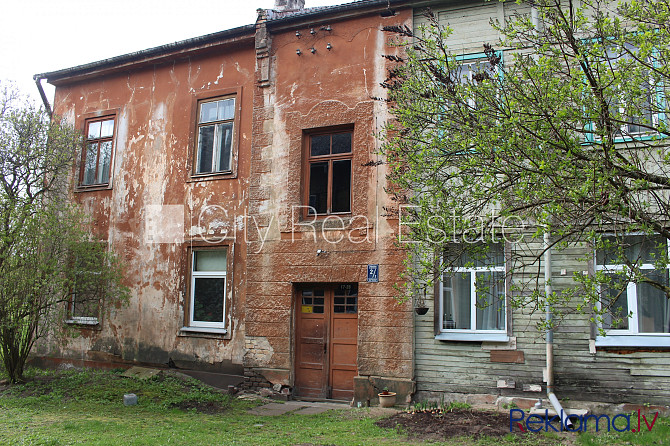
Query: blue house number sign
pixel 373 273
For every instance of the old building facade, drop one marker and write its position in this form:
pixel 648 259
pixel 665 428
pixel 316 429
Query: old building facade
pixel 238 175
pixel 164 174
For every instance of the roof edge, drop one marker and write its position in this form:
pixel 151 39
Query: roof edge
pixel 317 12
pixel 281 21
pixel 147 54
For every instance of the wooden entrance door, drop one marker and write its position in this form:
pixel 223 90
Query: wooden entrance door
pixel 326 341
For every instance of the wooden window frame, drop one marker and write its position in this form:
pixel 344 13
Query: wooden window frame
pixel 88 120
pixel 71 303
pixel 81 320
pixel 197 100
pixel 309 159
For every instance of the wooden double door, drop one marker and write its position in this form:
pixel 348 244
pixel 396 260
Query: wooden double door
pixel 326 341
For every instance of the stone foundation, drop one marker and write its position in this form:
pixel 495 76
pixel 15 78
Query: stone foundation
pixel 366 389
pixel 254 381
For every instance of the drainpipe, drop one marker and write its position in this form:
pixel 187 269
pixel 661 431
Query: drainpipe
pixel 565 421
pixel 550 335
pixel 38 81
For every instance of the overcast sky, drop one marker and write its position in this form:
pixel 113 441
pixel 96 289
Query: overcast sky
pixel 38 36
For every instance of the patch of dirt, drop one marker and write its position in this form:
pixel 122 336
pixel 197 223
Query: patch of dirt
pixel 208 407
pixel 456 423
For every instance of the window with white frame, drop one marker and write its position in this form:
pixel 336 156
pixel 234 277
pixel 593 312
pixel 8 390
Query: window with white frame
pixel 634 308
pixel 472 294
pixel 474 68
pixel 207 306
pixel 637 106
pixel 216 119
pixel 644 116
pixel 468 71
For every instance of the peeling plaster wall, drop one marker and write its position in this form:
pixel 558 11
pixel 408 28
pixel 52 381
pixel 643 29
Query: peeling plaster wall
pixel 303 92
pixel 153 149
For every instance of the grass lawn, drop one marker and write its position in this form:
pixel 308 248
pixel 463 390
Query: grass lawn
pixel 86 407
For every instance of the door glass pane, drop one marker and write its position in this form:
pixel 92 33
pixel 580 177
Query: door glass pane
pixel 346 298
pixel 318 187
pixel 210 260
pixel 224 144
pixel 208 299
pixel 341 143
pixel 457 302
pixel 205 148
pixel 320 145
pixel 653 311
pixel 319 301
pixel 342 186
pixel 491 300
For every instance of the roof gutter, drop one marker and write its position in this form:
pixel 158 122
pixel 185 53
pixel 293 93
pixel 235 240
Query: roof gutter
pixel 38 81
pixel 150 54
pixel 280 21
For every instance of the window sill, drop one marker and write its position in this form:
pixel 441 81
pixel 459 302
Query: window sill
pixel 327 222
pixel 196 177
pixel 473 337
pixel 638 137
pixel 201 332
pixel 640 340
pixel 86 322
pixel 92 188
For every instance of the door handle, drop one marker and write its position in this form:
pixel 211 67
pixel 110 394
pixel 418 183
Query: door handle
pixel 325 347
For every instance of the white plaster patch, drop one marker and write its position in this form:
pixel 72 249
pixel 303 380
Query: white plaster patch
pixel 69 116
pixel 239 69
pixel 164 224
pixel 219 76
pixel 196 230
pixel 259 350
pixel 239 222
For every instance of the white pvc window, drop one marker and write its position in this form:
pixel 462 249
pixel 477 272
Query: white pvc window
pixel 645 116
pixel 472 296
pixel 207 307
pixel 648 307
pixel 469 68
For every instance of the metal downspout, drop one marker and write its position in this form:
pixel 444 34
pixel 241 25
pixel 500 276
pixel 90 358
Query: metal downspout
pixel 565 421
pixel 550 334
pixel 38 81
